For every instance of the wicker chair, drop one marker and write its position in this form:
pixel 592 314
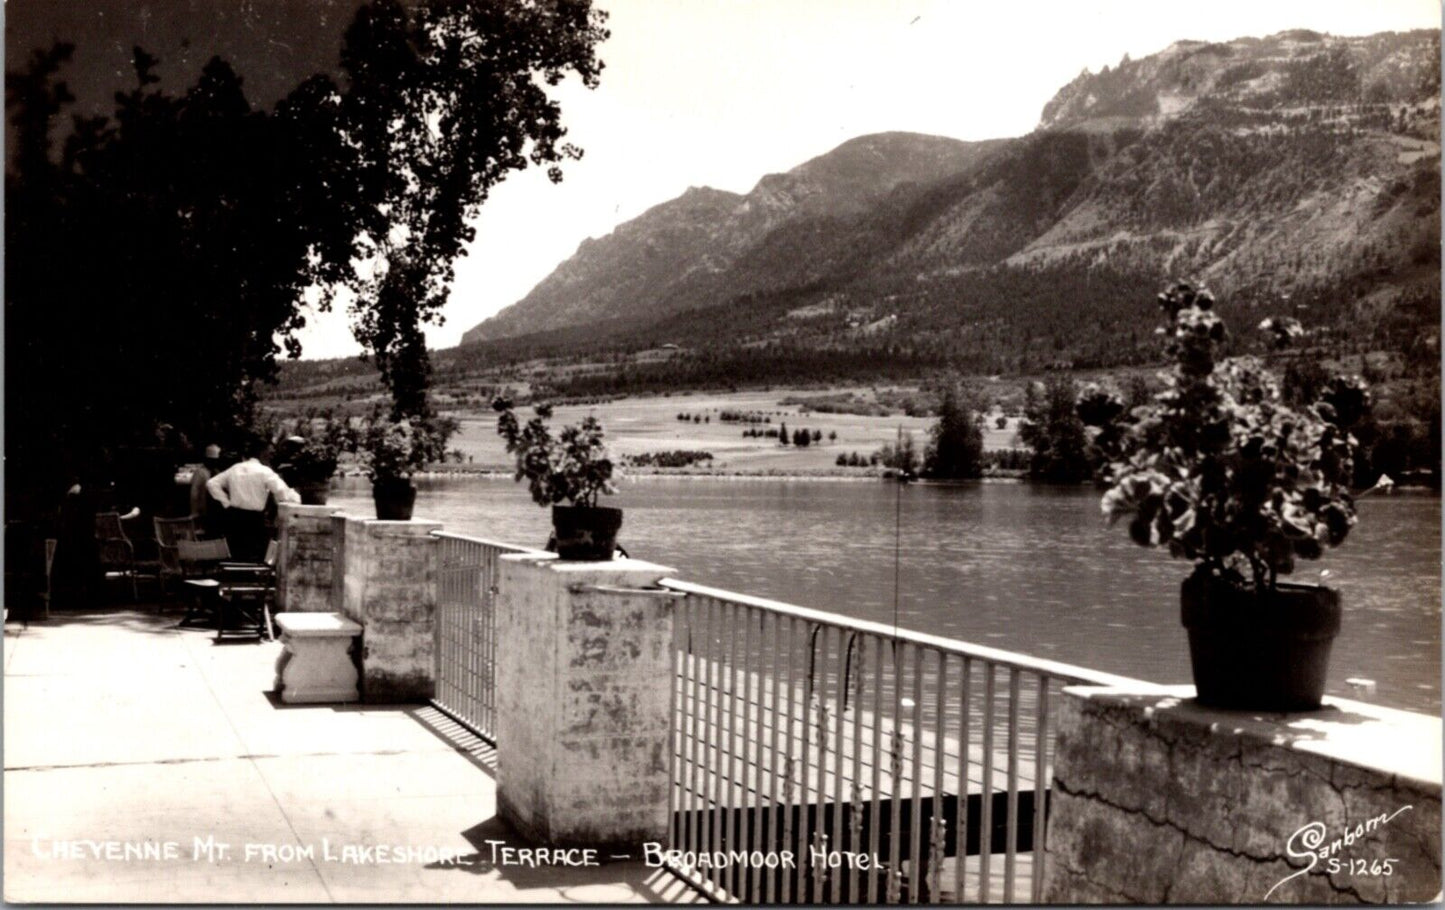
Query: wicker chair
pixel 168 532
pixel 117 553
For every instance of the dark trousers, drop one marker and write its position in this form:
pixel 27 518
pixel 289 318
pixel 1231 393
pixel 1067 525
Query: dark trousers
pixel 246 534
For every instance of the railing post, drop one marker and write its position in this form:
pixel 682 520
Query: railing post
pixel 584 724
pixel 304 555
pixel 386 580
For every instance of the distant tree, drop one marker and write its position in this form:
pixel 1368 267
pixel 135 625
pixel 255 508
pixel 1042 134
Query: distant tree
pixel 902 456
pixel 817 435
pixel 1001 422
pixel 783 433
pixel 1052 429
pixel 955 449
pixel 832 435
pixel 801 438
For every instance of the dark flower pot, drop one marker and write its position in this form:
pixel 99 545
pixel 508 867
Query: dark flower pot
pixel 586 533
pixel 395 498
pixel 1259 652
pixel 314 492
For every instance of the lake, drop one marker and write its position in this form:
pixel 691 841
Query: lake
pixel 1024 567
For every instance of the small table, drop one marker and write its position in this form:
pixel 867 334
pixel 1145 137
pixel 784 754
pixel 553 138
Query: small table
pixel 316 665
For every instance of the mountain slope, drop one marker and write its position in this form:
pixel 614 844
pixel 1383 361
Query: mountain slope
pixel 669 253
pixel 1296 173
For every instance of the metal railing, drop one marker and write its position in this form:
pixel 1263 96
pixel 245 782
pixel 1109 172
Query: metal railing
pixel 819 759
pixel 466 629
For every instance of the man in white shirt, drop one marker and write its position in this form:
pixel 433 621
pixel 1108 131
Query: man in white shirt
pixel 242 490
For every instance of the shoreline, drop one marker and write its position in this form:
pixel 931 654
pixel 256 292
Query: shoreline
pixel 1018 477
pixel 667 473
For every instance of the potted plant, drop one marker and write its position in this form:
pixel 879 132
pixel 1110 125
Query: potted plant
pixel 1218 468
pixel 570 467
pixel 391 450
pixel 312 456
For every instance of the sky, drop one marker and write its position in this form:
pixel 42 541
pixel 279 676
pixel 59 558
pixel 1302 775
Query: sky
pixel 721 92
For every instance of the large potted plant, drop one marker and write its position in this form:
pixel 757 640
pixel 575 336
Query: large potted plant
pixel 1218 468
pixel 312 457
pixel 391 451
pixel 570 467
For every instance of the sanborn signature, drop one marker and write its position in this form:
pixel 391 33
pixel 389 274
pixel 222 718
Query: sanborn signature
pixel 1309 843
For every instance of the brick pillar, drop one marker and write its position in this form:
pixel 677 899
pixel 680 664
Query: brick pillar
pixel 584 661
pixel 386 580
pixel 304 569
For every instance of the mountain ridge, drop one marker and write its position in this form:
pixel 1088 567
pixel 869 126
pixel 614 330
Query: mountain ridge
pixel 1287 165
pixel 834 184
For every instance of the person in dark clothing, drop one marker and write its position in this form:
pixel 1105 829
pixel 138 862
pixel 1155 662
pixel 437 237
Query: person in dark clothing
pixel 204 508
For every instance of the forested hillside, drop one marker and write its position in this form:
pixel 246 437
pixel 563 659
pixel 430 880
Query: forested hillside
pixel 1296 174
pixel 1293 174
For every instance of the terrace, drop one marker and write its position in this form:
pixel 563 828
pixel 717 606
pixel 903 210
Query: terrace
pixel 121 729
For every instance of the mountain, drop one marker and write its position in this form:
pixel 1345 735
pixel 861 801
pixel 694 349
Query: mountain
pixel 1298 173
pixel 645 265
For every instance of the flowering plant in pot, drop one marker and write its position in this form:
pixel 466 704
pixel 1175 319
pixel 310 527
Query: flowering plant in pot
pixel 1223 472
pixel 571 467
pixel 391 450
pixel 310 456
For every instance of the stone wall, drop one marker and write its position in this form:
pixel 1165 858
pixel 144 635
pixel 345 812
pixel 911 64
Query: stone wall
pixel 583 706
pixel 304 565
pixel 1158 800
pixel 386 579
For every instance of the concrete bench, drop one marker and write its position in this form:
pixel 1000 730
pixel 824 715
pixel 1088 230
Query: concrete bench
pixel 316 665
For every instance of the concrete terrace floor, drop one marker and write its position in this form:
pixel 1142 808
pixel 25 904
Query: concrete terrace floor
pixel 120 727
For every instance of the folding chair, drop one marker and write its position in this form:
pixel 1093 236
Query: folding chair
pixel 199 560
pixel 246 593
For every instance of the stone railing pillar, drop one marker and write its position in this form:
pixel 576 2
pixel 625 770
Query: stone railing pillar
pixel 385 578
pixel 584 662
pixel 304 552
pixel 1156 799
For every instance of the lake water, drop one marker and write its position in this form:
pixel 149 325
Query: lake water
pixel 1017 566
